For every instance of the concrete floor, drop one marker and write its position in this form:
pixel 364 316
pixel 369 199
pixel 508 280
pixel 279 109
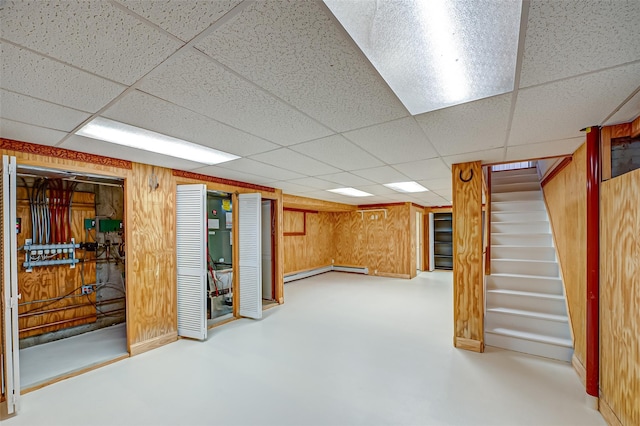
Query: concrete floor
pixel 343 350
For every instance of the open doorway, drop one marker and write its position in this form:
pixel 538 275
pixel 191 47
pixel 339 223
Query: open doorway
pixel 219 257
pixel 71 273
pixel 268 230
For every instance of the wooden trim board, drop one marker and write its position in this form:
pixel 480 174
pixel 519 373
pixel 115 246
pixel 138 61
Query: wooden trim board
pixel 607 413
pixel 147 345
pixel 549 177
pixel 468 344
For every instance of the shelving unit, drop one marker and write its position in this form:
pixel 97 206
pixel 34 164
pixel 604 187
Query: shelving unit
pixel 443 241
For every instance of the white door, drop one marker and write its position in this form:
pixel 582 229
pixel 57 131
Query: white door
pixel 11 364
pixel 250 245
pixel 191 252
pixel 266 251
pixel 432 258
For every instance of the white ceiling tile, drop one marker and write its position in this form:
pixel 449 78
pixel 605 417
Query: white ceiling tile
pixel 437 184
pixel 246 165
pixel 629 111
pixel 346 179
pixel 312 64
pixel 27 133
pixel 559 110
pixel 330 196
pixel 183 22
pixel 427 197
pixel 468 127
pixel 146 111
pixel 220 172
pixel 34 75
pixel 29 110
pixel 383 174
pixel 195 82
pixel 293 188
pixel 92 35
pixel 424 169
pixel 93 146
pixel 397 141
pixel 488 156
pixel 566 38
pixel 314 183
pixel 550 148
pixel 291 160
pixel 338 151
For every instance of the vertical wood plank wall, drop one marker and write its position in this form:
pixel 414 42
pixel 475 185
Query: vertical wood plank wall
pixel 565 196
pixel 312 250
pixel 468 269
pixel 151 261
pixel 620 297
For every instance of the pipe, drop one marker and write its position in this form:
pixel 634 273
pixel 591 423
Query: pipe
pixel 593 261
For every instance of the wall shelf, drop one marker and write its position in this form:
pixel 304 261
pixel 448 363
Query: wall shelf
pixel 443 241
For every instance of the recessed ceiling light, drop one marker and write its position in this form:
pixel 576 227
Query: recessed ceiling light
pixel 350 192
pixel 134 137
pixel 436 53
pixel 406 187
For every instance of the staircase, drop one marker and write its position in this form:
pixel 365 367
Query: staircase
pixel 525 303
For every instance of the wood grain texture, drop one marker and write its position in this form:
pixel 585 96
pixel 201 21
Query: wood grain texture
pixel 635 127
pixel 51 151
pixel 295 223
pixel 368 239
pixel 620 296
pixel 468 344
pixel 468 270
pixel 50 282
pixel 313 250
pixel 151 256
pixel 304 203
pixel 566 199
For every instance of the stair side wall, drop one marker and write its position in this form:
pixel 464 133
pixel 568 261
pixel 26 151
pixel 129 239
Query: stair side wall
pixel 565 197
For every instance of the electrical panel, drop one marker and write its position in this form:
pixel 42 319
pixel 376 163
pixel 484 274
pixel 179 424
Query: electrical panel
pixel 109 225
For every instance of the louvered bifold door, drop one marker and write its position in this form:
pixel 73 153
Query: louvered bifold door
pixel 249 242
pixel 191 241
pixel 10 296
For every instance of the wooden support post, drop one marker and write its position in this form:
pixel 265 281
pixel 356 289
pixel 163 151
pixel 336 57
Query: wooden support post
pixel 468 271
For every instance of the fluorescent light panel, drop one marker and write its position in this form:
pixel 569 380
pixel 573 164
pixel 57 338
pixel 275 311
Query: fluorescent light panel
pixel 350 192
pixel 436 53
pixel 134 137
pixel 406 187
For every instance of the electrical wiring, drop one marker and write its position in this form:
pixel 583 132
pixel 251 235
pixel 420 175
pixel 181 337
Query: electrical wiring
pixel 54 300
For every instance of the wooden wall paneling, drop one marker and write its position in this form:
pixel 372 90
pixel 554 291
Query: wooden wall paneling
pixel 313 249
pixel 295 222
pixel 151 260
pixel 468 271
pixel 304 203
pixel 50 282
pixel 350 248
pixel 565 197
pixel 620 296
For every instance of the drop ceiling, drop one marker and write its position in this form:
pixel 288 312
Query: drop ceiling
pixel 282 85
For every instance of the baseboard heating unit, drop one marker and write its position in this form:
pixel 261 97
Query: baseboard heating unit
pixel 322 270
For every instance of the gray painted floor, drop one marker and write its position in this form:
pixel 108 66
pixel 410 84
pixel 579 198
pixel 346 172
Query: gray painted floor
pixel 343 350
pixel 41 363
